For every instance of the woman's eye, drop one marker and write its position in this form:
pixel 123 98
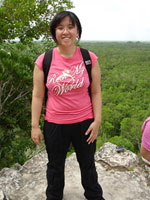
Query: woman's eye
pixel 70 27
pixel 59 28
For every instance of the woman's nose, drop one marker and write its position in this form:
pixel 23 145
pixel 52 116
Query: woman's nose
pixel 65 30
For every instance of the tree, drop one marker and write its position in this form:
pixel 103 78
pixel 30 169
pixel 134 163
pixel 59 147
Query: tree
pixel 28 19
pixel 122 141
pixel 16 61
pixel 130 129
pixel 16 67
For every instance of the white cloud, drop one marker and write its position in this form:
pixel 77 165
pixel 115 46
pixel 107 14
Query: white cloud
pixel 114 19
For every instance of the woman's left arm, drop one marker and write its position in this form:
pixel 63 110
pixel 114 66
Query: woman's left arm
pixel 96 103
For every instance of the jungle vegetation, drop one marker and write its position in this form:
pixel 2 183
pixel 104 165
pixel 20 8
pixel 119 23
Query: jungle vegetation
pixel 125 90
pixel 125 78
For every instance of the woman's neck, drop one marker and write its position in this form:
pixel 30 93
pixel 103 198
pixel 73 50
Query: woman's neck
pixel 67 52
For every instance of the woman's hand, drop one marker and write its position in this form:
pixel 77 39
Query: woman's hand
pixel 36 135
pixel 93 131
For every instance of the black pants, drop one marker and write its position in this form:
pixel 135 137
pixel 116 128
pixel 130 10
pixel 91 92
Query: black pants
pixel 57 139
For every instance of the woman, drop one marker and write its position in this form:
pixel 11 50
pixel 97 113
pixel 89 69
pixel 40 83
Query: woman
pixel 70 116
pixel 145 146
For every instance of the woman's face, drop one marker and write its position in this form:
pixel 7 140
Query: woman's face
pixel 66 33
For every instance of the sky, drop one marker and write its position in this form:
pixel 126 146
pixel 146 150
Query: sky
pixel 114 20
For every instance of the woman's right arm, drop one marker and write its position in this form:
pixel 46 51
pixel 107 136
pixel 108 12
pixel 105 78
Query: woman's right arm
pixel 37 102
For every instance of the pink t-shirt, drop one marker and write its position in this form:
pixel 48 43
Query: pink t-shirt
pixel 67 82
pixel 146 134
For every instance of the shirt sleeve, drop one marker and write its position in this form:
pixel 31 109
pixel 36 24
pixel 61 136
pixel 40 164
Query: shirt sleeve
pixel 93 58
pixel 39 61
pixel 145 122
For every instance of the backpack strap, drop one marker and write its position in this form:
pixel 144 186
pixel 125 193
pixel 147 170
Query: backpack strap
pixel 46 67
pixel 88 64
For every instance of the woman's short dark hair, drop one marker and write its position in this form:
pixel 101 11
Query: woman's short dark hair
pixel 59 17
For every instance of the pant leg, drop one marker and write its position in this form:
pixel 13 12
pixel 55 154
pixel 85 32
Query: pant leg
pixel 85 156
pixel 57 142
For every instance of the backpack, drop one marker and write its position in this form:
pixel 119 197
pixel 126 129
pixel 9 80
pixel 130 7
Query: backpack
pixel 47 62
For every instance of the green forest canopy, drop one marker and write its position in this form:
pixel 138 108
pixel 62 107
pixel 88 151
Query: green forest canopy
pixel 125 92
pixel 125 88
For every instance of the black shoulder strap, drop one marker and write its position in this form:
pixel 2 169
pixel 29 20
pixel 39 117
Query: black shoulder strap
pixel 46 63
pixel 88 64
pixel 46 67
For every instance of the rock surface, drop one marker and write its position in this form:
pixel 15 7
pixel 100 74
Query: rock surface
pixel 119 175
